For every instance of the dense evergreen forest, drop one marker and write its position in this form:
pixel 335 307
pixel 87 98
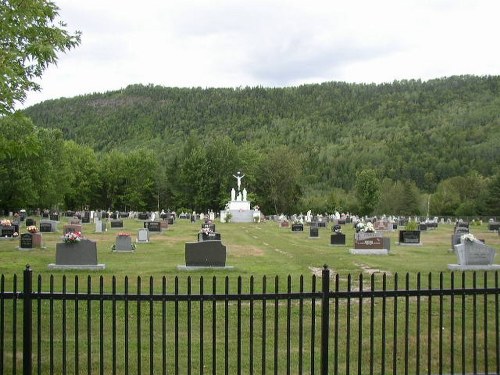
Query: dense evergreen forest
pixel 300 147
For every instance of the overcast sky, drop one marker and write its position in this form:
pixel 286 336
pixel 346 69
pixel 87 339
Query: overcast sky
pixel 270 43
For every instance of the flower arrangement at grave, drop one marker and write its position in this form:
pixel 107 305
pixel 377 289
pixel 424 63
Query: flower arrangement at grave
pixel 72 237
pixel 206 231
pixel 5 223
pixel 468 237
pixel 123 234
pixel 337 228
pixel 32 229
pixel 365 228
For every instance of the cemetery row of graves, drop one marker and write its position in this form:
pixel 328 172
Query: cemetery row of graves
pixel 191 240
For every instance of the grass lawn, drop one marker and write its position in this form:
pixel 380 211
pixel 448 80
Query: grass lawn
pixel 262 250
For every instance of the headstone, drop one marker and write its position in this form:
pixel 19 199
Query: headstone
pixel 26 241
pixel 209 226
pixel 123 243
pixel 8 231
pixel 422 226
pixel 54 217
pixel 116 223
pixel 205 254
pixel 100 226
pixel 153 226
pixel 297 227
pixel 210 236
pixel 143 235
pixel 370 244
pixel 86 217
pixel 493 226
pixel 284 224
pixel 313 232
pixel 164 224
pixel 79 255
pixel 30 221
pixel 143 216
pixel 409 237
pixel 337 239
pixel 472 254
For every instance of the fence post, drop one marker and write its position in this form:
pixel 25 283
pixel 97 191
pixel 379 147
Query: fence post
pixel 27 321
pixel 325 318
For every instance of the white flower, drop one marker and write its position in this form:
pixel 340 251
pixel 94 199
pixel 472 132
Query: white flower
pixel 468 237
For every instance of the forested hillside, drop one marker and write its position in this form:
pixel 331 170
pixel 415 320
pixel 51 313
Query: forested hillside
pixel 423 146
pixel 409 130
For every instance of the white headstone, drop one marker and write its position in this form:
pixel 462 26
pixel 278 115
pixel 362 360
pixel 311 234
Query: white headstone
pixel 143 235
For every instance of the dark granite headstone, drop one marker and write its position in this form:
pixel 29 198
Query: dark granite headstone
pixel 209 226
pixel 297 227
pixel 8 231
pixel 153 226
pixel 209 236
pixel 337 239
pixel 205 254
pixel 313 232
pixel 409 236
pixel 116 223
pixel 30 221
pixel 26 241
pixel 46 226
pixel 79 253
pixel 54 217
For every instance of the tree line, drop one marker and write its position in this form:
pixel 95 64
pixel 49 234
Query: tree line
pixel 41 169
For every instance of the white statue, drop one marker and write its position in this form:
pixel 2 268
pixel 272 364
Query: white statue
pixel 244 194
pixel 233 194
pixel 239 177
pixel 239 196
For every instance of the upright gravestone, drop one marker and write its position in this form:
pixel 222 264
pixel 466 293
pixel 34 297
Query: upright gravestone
pixel 78 255
pixel 313 232
pixel 116 223
pixel 370 243
pixel 100 226
pixel 472 254
pixel 153 226
pixel 143 235
pixel 123 242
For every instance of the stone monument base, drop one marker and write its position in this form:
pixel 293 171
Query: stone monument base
pixel 91 267
pixel 461 267
pixel 181 267
pixel 369 251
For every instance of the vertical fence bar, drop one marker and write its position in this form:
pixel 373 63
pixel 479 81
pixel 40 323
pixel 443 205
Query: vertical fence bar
pixel 64 326
pixel 126 328
pixel 348 328
pixel 441 325
pixel 336 331
pixel 463 323
pixel 27 321
pixel 474 324
pixel 325 318
pixel 113 325
pixel 189 328
pixel 288 325
pixel 384 312
pixel 202 351
pixel 176 326
pixel 226 327
pixel 407 323
pixel 251 328
pixel 276 326
pixel 417 359
pixel 264 326
pixel 452 323
pixel 14 328
pixel 301 327
pixel 101 325
pixel 77 333
pixel 429 326
pixel 313 325
pixel 395 328
pixel 372 320
pixel 485 321
pixel 89 325
pixel 138 328
pixel 238 329
pixel 39 327
pixel 151 326
pixel 164 326
pixel 51 325
pixel 360 325
pixel 214 327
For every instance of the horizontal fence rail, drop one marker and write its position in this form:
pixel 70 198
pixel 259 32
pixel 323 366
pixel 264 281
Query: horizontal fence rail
pixel 383 324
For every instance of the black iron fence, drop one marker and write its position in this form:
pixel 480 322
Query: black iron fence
pixel 383 324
